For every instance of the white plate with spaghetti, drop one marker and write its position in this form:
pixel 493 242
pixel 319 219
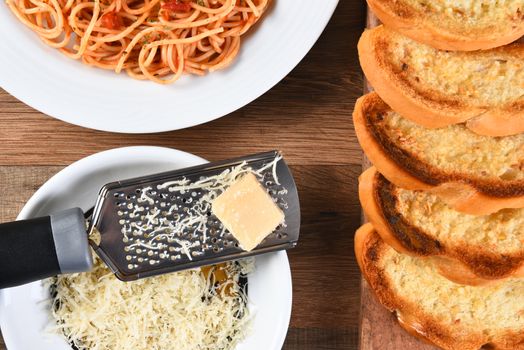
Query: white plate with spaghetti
pixel 249 48
pixel 26 317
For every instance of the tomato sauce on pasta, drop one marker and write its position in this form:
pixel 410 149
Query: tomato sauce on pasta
pixel 158 40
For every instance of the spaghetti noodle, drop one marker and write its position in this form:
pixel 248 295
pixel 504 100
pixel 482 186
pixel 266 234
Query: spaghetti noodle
pixel 157 40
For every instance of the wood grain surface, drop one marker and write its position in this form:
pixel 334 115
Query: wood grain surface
pixel 307 116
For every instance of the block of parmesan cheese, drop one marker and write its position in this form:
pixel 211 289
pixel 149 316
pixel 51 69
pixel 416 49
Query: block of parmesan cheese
pixel 247 211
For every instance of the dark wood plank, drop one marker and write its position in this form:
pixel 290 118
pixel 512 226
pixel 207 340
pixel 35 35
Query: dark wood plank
pixel 321 339
pixel 323 265
pixel 18 184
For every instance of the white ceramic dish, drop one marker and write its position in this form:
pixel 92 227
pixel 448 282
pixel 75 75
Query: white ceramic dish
pixel 24 315
pixel 65 89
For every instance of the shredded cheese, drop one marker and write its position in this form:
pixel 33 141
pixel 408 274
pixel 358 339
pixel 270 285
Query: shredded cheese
pixel 178 311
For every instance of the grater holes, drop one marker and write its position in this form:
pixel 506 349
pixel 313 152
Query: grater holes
pixel 165 208
pixel 281 235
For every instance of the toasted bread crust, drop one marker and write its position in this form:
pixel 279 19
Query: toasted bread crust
pixel 409 22
pixel 429 108
pixel 494 123
pixel 380 206
pixel 458 273
pixel 370 249
pixel 408 315
pixel 462 191
pixel 395 172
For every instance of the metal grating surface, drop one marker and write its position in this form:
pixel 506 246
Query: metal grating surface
pixel 140 220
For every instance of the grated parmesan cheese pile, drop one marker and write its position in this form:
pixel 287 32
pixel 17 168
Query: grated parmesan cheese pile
pixel 182 311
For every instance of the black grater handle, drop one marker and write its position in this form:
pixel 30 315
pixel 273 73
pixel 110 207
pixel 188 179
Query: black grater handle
pixel 35 249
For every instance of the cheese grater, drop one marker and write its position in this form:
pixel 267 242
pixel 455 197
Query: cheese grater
pixel 155 224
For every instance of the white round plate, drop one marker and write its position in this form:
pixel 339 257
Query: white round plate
pixel 24 314
pixel 66 89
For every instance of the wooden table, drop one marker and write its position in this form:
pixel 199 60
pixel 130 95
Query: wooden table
pixel 307 116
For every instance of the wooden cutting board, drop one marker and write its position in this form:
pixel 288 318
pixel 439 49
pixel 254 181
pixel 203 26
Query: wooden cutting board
pixel 379 329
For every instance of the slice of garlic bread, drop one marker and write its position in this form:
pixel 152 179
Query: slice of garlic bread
pixel 470 249
pixel 473 173
pixel 452 316
pixel 462 25
pixel 436 88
